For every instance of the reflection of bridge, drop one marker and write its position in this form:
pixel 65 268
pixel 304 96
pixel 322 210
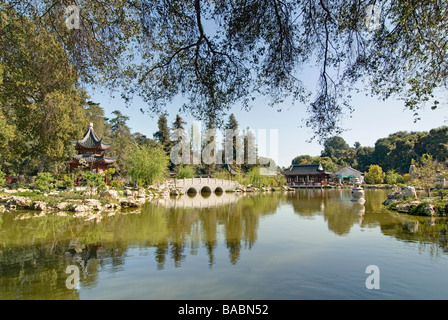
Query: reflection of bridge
pixel 196 185
pixel 199 201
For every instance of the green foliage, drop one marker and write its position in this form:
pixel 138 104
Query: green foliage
pixel 375 175
pixel 45 181
pixel 68 180
pixel 426 172
pixel 326 162
pixel 148 165
pixel 393 177
pixel 2 178
pixel 184 171
pixel 406 178
pixel 94 180
pixel 116 184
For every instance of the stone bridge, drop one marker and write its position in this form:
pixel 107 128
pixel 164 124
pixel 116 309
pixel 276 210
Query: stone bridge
pixel 198 185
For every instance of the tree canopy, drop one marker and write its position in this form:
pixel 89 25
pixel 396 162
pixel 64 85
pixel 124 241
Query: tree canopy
pixel 221 53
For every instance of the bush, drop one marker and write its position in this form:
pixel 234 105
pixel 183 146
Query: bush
pixel 2 178
pixel 375 175
pixel 186 172
pixel 392 177
pixel 116 184
pixel 44 181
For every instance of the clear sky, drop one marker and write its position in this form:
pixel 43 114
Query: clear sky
pixel 372 119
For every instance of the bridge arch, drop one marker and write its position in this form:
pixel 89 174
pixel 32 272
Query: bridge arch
pixel 206 189
pixel 192 190
pixel 219 190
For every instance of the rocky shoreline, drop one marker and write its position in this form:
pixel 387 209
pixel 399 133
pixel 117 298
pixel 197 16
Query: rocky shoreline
pixel 407 202
pixel 108 202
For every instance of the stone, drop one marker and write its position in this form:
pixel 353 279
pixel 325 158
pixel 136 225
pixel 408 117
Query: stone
pixel 405 207
pixel 111 194
pixel 92 202
pixel 141 193
pixel 410 192
pixel 429 210
pixel 81 208
pixel 62 206
pixel 39 206
pixel 19 202
pixel 128 203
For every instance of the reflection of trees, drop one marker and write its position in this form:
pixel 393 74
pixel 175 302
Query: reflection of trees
pixel 341 214
pixel 38 250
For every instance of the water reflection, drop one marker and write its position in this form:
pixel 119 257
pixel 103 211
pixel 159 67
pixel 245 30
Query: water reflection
pixel 34 253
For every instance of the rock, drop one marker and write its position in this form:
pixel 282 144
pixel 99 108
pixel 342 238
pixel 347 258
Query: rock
pixel 81 208
pixel 128 193
pixel 429 210
pixel 129 203
pixel 410 192
pixel 111 194
pixel 18 202
pixel 111 206
pixel 39 206
pixel 92 202
pixel 141 193
pixel 62 206
pixel 389 201
pixel 405 207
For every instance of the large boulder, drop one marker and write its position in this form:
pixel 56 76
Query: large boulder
pixel 111 194
pixel 410 192
pixel 18 202
pixel 405 207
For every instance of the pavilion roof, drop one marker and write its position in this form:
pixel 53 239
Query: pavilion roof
pixel 305 169
pixel 91 141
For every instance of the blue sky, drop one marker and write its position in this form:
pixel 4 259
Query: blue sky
pixel 371 120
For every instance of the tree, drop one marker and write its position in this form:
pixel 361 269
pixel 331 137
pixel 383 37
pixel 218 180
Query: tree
pixel 148 165
pixel 163 136
pixel 41 103
pixel 375 174
pixel 334 147
pixel 233 144
pixel 427 171
pixel 122 141
pixel 220 53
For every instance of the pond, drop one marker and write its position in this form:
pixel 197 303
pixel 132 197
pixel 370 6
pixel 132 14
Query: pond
pixel 306 244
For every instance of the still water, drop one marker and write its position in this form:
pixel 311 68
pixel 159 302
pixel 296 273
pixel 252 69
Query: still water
pixel 307 244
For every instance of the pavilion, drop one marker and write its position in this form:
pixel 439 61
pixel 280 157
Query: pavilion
pixel 91 150
pixel 304 175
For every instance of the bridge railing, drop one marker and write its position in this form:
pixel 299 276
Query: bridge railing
pixel 201 181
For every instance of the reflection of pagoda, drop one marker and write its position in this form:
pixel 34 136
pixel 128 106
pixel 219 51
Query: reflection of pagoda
pixel 91 150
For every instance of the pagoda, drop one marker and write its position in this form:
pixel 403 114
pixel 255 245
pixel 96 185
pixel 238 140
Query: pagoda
pixel 91 149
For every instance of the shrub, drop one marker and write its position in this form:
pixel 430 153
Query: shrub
pixel 183 171
pixel 2 178
pixel 116 184
pixel 44 181
pixel 375 175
